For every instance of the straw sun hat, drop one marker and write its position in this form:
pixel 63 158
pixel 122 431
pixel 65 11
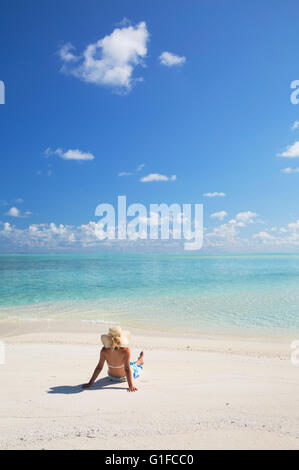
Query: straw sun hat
pixel 116 338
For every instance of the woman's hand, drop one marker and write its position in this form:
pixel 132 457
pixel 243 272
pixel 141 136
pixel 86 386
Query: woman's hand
pixel 86 385
pixel 132 389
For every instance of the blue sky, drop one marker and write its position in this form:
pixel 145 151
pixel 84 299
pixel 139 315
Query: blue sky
pixel 215 112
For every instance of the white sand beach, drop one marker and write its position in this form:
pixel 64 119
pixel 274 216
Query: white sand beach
pixel 196 392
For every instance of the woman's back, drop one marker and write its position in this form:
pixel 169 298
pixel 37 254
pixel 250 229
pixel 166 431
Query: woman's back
pixel 115 361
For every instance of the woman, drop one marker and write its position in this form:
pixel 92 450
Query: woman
pixel 117 355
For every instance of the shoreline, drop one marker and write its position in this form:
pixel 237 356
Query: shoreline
pixel 27 325
pixel 34 325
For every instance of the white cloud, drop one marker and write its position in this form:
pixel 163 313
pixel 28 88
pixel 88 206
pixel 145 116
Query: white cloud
pixel 292 151
pixel 71 154
pixel 45 237
pixel 263 236
pixel 124 22
pixel 76 154
pixel 170 60
pixel 49 236
pixel 125 173
pixel 13 212
pixel 293 226
pixel 219 215
pixel 227 232
pixel 246 217
pixel 285 237
pixel 237 223
pixel 288 171
pixel 110 61
pixel 66 54
pixel 228 235
pixel 157 177
pixel 214 194
pixel 7 227
pixel 295 125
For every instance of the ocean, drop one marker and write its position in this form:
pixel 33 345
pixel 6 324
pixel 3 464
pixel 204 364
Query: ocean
pixel 255 295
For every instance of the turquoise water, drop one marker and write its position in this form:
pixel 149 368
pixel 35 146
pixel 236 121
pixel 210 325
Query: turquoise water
pixel 248 294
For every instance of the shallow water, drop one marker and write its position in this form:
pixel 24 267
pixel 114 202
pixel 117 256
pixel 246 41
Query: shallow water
pixel 247 294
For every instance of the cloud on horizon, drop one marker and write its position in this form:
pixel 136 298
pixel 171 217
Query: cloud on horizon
pixel 232 236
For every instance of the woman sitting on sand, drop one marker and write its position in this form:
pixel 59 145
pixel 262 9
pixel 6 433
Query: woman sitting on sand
pixel 117 355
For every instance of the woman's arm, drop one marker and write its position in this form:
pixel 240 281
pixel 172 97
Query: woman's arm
pixel 128 371
pixel 97 370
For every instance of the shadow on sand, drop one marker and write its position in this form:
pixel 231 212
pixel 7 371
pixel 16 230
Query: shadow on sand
pixel 72 389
